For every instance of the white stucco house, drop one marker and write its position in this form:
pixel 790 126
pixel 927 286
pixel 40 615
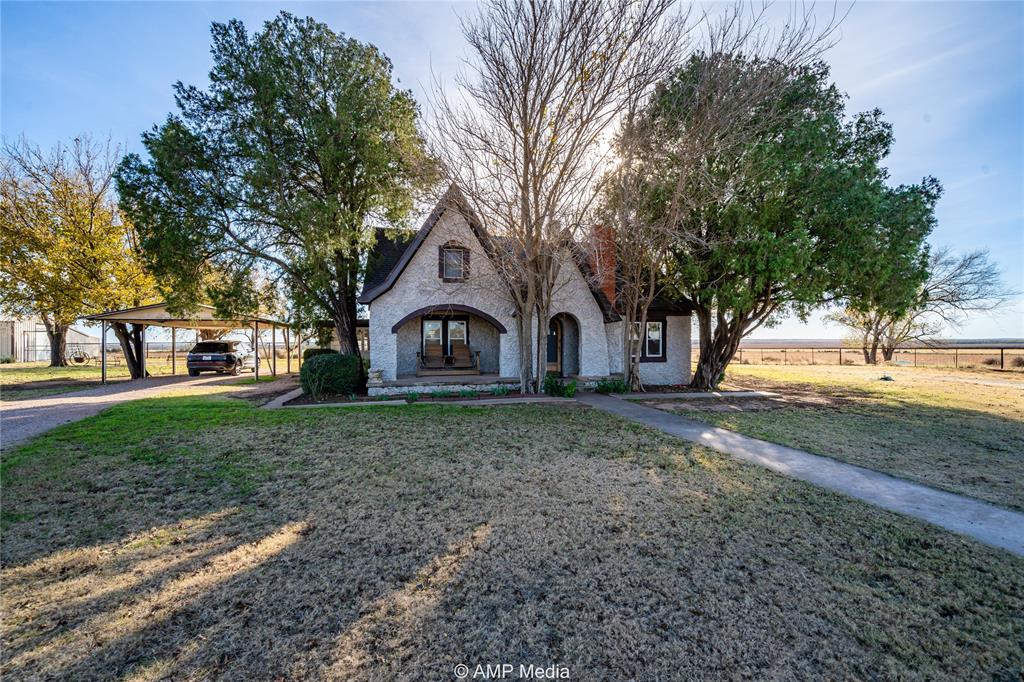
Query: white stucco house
pixel 438 314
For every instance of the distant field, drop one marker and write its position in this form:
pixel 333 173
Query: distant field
pixel 961 358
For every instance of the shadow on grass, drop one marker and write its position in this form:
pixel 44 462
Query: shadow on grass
pixel 386 546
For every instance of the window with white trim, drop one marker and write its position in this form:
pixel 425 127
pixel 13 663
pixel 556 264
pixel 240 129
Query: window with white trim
pixel 654 341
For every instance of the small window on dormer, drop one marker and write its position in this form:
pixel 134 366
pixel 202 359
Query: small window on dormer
pixel 453 263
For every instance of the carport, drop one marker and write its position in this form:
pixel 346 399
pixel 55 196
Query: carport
pixel 157 315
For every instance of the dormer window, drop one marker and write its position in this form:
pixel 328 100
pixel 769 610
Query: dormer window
pixel 453 263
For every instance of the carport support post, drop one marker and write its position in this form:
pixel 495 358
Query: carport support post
pixel 288 350
pixel 174 348
pixel 256 343
pixel 273 350
pixel 142 354
pixel 103 352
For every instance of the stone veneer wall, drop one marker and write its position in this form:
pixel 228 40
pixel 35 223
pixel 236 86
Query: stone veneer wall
pixel 512 386
pixel 676 368
pixel 419 286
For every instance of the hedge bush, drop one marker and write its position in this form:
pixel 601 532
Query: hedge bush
pixel 330 373
pixel 313 352
pixel 553 386
pixel 611 386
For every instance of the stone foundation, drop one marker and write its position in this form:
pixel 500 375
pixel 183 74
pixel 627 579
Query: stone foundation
pixel 425 388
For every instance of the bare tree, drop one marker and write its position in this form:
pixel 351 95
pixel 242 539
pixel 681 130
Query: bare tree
pixel 526 137
pixel 641 245
pixel 957 286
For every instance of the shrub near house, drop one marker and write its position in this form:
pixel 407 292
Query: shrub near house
pixel 330 374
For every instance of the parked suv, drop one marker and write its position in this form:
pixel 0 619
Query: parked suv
pixel 220 357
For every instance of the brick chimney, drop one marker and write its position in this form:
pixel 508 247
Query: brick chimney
pixel 603 262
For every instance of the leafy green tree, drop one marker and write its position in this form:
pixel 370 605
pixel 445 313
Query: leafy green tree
pixel 300 146
pixel 65 249
pixel 781 223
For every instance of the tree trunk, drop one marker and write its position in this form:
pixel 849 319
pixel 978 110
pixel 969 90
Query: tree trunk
pixel 345 329
pixel 871 353
pixel 541 357
pixel 131 346
pixel 717 349
pixel 57 334
pixel 524 332
pixel 343 314
pixel 887 353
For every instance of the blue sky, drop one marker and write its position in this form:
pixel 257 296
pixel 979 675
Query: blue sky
pixel 949 76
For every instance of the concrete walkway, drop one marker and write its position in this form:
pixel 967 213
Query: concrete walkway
pixel 23 419
pixel 985 522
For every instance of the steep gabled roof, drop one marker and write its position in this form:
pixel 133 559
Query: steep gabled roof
pixel 387 252
pixel 390 257
pixel 392 254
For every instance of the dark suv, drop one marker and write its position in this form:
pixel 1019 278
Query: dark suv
pixel 220 357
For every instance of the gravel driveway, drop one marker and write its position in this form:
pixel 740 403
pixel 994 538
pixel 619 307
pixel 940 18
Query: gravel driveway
pixel 23 419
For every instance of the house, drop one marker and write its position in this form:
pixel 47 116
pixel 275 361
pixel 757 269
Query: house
pixel 439 315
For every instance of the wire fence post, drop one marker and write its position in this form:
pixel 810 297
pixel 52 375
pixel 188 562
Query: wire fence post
pixel 1001 365
pixel 956 359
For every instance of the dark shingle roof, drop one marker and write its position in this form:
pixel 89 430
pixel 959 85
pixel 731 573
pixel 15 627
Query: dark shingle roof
pixel 394 249
pixel 389 249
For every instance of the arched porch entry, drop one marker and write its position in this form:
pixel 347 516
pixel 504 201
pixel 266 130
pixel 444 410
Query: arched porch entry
pixel 563 356
pixel 447 340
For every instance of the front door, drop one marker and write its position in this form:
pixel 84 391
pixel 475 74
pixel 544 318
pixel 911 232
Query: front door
pixel 554 347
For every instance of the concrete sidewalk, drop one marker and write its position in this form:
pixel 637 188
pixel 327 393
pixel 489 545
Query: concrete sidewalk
pixel 979 520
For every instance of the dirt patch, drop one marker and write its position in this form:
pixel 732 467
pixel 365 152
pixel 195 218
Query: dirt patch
pixel 262 392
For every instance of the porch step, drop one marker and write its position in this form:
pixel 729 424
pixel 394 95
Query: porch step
pixel 446 372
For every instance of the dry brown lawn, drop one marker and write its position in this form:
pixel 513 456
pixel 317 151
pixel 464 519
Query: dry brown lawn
pixel 196 538
pixel 956 430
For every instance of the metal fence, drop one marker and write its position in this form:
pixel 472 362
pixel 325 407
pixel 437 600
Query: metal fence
pixel 158 355
pixel 962 357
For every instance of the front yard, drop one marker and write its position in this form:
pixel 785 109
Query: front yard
pixel 197 537
pixel 955 430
